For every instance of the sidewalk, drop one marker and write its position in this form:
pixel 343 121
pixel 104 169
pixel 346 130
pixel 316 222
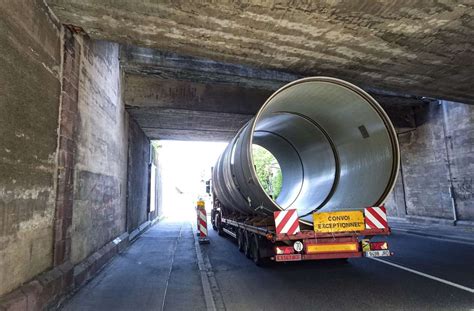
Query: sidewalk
pixel 461 234
pixel 159 271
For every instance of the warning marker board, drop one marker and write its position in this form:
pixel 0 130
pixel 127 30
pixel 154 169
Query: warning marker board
pixel 287 222
pixel 376 217
pixel 344 221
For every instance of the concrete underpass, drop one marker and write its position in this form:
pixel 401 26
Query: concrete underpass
pixel 91 92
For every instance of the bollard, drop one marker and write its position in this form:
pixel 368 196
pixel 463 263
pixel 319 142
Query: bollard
pixel 202 222
pixel 200 203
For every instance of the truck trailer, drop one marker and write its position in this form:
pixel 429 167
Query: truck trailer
pixel 339 158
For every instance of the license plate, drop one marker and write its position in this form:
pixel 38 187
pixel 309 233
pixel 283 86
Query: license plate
pixel 381 253
pixel 293 257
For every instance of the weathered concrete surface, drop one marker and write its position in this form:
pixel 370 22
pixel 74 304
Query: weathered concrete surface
pixel 174 109
pixel 181 97
pixel 188 110
pixel 67 132
pixel 437 153
pixel 101 158
pixel 413 47
pixel 172 66
pixel 424 168
pixel 459 133
pixel 138 177
pixel 29 103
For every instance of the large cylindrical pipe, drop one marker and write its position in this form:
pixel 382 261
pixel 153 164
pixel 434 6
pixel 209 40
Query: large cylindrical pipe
pixel 336 147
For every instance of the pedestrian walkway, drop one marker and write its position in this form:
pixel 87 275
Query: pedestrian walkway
pixel 454 233
pixel 157 272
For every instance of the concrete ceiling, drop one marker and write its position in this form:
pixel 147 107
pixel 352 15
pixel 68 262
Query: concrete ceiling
pixel 200 71
pixel 188 98
pixel 422 48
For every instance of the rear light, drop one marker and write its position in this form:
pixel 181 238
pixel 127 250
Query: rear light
pixel 332 248
pixel 378 246
pixel 284 250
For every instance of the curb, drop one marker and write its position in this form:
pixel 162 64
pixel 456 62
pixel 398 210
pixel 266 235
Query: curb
pixel 212 294
pixel 434 236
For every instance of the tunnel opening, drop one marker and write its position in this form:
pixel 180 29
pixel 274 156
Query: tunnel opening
pixel 185 167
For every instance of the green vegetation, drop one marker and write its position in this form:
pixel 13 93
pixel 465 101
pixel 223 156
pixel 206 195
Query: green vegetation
pixel 268 170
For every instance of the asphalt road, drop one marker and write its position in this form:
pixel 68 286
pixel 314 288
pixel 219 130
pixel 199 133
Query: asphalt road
pixel 359 284
pixel 161 271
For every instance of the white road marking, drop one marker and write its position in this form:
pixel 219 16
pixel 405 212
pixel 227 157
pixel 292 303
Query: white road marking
pixel 470 290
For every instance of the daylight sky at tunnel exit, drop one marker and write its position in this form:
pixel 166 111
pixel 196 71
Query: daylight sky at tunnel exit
pixel 185 165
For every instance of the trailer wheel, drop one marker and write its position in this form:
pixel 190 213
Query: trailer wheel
pixel 240 240
pixel 256 254
pixel 219 224
pixel 247 244
pixel 213 219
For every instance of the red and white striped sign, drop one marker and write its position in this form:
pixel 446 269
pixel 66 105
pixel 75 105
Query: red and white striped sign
pixel 376 217
pixel 202 222
pixel 286 222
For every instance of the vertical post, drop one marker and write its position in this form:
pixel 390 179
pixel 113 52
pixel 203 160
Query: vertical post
pixel 202 222
pixel 68 122
pixel 447 137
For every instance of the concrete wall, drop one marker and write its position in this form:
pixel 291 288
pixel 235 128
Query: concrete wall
pixel 101 157
pixel 159 182
pixel 438 153
pixel 138 177
pixel 30 87
pixel 459 127
pixel 158 189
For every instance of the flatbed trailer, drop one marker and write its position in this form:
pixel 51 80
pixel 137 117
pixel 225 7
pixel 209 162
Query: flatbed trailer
pixel 257 239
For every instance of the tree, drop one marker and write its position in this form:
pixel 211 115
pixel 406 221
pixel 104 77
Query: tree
pixel 268 170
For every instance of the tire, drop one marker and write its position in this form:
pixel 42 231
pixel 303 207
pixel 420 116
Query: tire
pixel 219 225
pixel 213 220
pixel 240 240
pixel 255 250
pixel 247 244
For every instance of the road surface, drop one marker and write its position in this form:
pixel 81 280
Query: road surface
pixel 160 272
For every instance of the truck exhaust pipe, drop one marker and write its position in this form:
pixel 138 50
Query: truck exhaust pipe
pixel 335 145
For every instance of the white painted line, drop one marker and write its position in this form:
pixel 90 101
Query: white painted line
pixel 471 290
